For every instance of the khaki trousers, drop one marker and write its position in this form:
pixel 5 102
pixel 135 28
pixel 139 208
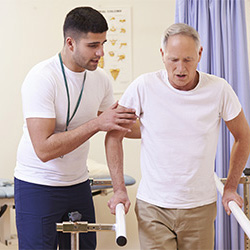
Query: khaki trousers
pixel 171 229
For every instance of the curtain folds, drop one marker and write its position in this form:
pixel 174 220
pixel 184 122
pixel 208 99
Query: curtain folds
pixel 222 28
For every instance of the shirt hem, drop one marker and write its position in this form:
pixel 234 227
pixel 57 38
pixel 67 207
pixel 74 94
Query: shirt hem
pixel 179 206
pixel 50 183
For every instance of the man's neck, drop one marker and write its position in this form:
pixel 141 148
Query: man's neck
pixel 69 62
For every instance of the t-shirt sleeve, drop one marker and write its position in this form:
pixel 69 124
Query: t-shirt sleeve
pixel 231 106
pixel 38 97
pixel 132 97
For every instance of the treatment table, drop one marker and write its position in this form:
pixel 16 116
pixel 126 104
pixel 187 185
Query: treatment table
pixel 6 204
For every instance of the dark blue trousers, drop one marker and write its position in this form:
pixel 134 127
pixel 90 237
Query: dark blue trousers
pixel 40 207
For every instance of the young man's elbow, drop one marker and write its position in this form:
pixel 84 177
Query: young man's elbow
pixel 43 156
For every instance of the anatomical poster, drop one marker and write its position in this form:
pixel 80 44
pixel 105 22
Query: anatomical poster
pixel 117 60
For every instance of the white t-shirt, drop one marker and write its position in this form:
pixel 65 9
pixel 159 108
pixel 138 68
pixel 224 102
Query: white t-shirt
pixel 179 132
pixel 44 95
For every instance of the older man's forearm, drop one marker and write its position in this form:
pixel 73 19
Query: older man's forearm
pixel 114 155
pixel 239 156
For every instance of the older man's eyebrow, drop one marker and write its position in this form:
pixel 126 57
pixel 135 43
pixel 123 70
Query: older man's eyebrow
pixel 189 58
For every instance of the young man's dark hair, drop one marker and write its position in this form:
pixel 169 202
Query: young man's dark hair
pixel 84 20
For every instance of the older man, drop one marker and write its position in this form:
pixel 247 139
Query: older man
pixel 180 111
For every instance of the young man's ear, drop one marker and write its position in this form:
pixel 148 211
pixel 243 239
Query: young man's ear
pixel 70 43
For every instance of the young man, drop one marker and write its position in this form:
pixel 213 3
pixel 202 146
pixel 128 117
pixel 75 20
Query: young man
pixel 180 110
pixel 66 100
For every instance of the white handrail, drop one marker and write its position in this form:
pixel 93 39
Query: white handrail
pixel 235 209
pixel 120 227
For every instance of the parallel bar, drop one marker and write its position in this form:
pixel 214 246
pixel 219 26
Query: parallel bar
pixel 100 227
pixel 83 227
pixel 100 182
pixel 236 210
pixel 74 242
pixel 120 228
pixel 243 180
pixel 246 211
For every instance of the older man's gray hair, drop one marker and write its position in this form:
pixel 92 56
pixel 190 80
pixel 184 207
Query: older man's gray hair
pixel 180 29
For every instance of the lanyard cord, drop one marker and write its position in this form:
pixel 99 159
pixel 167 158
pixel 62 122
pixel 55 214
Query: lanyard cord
pixel 67 89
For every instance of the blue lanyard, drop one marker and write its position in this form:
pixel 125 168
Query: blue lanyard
pixel 67 89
